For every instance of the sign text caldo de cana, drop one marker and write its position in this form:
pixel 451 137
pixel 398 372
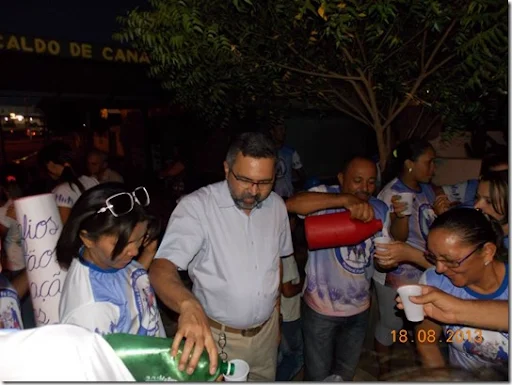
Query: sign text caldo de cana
pixel 52 47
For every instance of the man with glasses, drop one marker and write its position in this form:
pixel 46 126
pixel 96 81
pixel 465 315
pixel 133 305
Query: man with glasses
pixel 230 236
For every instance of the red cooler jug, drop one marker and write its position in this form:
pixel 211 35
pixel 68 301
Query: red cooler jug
pixel 338 229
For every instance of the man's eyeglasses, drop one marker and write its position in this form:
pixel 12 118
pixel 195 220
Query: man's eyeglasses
pixel 250 183
pixel 123 203
pixel 450 264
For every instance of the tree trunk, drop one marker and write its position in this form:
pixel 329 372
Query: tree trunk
pixel 382 146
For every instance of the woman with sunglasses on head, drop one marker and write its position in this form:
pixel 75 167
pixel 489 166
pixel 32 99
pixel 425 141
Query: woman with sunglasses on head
pixel 464 245
pixel 56 158
pixel 106 290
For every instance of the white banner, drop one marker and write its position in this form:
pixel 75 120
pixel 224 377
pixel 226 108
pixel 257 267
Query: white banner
pixel 41 226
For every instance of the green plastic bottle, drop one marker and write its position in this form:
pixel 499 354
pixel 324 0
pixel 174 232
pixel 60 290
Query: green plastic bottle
pixel 149 359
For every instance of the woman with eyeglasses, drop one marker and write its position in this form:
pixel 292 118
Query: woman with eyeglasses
pixel 106 289
pixel 464 245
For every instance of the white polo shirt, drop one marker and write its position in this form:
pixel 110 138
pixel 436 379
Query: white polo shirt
pixel 232 258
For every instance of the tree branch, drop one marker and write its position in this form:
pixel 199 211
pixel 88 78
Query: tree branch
pixel 423 75
pixel 328 76
pixel 392 107
pixel 415 127
pixel 349 104
pixel 439 65
pixel 356 86
pixel 408 97
pixel 371 95
pixel 363 54
pixel 344 110
pixel 404 45
pixel 440 43
pixel 430 125
pixel 334 74
pixel 423 47
pixel 385 37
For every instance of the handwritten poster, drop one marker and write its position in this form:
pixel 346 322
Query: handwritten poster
pixel 41 226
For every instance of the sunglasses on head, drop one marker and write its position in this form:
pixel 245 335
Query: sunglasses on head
pixel 123 203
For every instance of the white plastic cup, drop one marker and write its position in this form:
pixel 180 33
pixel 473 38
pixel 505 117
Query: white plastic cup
pixel 413 311
pixel 408 198
pixel 381 240
pixel 241 371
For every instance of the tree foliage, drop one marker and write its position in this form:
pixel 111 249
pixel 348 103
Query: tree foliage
pixel 369 59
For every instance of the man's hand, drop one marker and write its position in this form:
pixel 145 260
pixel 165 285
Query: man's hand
pixel 359 209
pixel 437 304
pixel 193 325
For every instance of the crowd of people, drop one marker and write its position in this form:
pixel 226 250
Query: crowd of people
pixel 236 239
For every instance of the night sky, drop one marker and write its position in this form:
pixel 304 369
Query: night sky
pixel 91 21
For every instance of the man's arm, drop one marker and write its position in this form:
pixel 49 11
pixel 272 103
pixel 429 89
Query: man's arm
pixel 305 203
pixel 167 283
pixel 182 241
pixel 491 315
pixel 443 307
pixel 192 324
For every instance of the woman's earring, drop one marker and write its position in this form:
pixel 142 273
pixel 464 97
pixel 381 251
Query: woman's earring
pixel 410 169
pixel 486 263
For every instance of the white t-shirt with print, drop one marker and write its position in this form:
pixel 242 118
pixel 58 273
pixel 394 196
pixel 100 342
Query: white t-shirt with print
pixel 66 195
pixel 419 223
pixel 290 306
pixel 472 348
pixel 110 301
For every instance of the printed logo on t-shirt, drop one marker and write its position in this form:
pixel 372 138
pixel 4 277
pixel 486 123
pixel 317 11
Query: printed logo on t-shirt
pixel 354 258
pixel 64 199
pixel 10 314
pixel 281 169
pixel 145 301
pixel 488 345
pixel 426 217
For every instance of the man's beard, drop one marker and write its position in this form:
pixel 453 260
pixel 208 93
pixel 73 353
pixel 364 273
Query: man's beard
pixel 239 200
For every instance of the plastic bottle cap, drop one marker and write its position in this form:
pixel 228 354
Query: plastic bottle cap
pixel 231 368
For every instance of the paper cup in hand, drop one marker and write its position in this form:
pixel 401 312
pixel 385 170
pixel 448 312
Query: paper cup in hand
pixel 241 371
pixel 381 240
pixel 409 199
pixel 413 311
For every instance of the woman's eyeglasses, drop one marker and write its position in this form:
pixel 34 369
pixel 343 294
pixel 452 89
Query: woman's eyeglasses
pixel 450 264
pixel 123 203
